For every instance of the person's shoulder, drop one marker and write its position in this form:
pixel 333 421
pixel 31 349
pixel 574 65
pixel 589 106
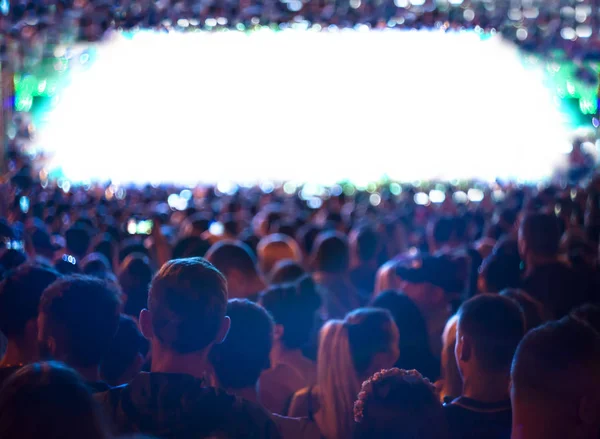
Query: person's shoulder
pixel 296 428
pixel 6 372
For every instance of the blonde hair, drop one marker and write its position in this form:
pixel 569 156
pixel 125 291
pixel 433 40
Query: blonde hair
pixel 277 247
pixel 451 380
pixel 338 381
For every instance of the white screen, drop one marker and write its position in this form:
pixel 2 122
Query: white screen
pixel 305 106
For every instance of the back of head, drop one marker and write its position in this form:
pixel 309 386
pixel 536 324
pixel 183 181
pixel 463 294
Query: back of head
pixel 495 326
pixel 414 341
pixel 48 400
pixel 228 256
pixel 293 306
pixel 128 347
pixel 331 253
pixel 190 247
pixel 82 315
pixel 187 301
pixel 96 264
pixel 346 352
pixel 440 231
pixel 135 275
pixel 78 240
pixel 240 359
pixel 557 363
pixel 277 247
pixel 286 271
pixel 533 310
pixel 365 243
pixel 540 235
pixel 20 294
pixel 396 403
pixel 500 272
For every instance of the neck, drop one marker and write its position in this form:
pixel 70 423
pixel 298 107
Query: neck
pixel 17 353
pixel 167 361
pixel 89 374
pixel 532 261
pixel 488 387
pixel 279 352
pixel 247 393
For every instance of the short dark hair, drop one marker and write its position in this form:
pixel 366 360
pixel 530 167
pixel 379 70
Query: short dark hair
pixel 190 246
pixel 286 271
pixel 501 272
pixel 20 294
pixel 49 400
pixel 135 275
pixel 187 299
pixel 441 228
pixel 541 233
pixel 557 360
pixel 293 306
pixel 232 255
pixel 86 311
pixel 78 239
pixel 367 243
pixel 127 344
pixel 330 252
pixel 241 358
pixel 496 326
pixel 533 310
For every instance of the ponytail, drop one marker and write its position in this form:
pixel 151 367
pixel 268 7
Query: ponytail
pixel 338 381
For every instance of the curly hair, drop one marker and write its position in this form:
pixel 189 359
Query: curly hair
pixel 398 403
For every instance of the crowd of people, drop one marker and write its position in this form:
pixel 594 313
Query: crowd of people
pixel 258 314
pixel 31 29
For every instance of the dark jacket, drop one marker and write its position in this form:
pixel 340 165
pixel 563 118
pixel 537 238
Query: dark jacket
pixel 180 406
pixel 471 419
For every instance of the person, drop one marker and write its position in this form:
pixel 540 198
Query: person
pixel 439 234
pixel 364 250
pixel 274 248
pixel 489 329
pixel 397 403
pixel 286 271
pixel 450 383
pixel 533 310
pixel 431 283
pixel 248 343
pixel 78 319
pixel 127 353
pixel 20 294
pixel 78 239
pixel 49 401
pixel 237 263
pixel 186 316
pixel 330 260
pixel 589 313
pixel 547 278
pixel 555 382
pixel 294 308
pixel 135 274
pixel 414 342
pixel 498 272
pixel 350 351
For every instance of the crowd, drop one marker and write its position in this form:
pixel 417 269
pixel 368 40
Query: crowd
pixel 31 29
pixel 259 314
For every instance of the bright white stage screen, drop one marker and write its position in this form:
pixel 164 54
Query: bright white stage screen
pixel 305 106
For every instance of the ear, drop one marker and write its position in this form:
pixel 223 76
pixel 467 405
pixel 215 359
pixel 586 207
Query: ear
pixel 223 331
pixel 464 348
pixel 278 331
pixel 146 324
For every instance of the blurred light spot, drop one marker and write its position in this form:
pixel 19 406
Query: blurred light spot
pixel 456 2
pixel 222 21
pixel 417 2
pixel 336 190
pixel 289 188
pixel 469 14
pixel 421 198
pixel 460 197
pixel 395 189
pixel 437 196
pixel 498 195
pixel 85 57
pixel 521 34
pixel 475 195
pixel 267 187
pixel 401 3
pixel 186 194
pixel 210 22
pixel 375 199
pixel 355 4
pixel 568 33
pixel 584 31
pixel 314 202
pixel 182 22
